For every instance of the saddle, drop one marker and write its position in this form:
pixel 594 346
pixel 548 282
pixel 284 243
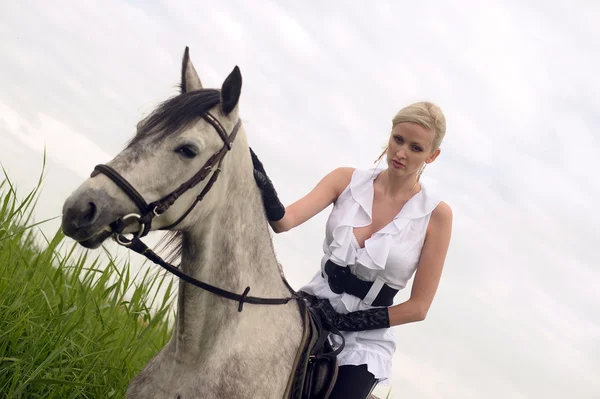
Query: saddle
pixel 315 368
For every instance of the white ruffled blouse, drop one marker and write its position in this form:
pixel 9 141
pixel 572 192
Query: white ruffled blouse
pixel 389 256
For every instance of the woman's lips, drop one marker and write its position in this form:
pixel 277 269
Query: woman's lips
pixel 398 164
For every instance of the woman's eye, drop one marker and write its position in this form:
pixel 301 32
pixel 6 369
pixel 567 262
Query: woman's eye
pixel 417 148
pixel 398 139
pixel 187 151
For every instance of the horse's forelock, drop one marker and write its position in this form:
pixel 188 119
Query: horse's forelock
pixel 176 114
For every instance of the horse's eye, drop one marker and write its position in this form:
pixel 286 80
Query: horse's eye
pixel 187 150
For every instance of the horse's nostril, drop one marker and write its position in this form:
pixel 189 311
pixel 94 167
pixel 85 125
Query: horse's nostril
pixel 90 214
pixel 82 212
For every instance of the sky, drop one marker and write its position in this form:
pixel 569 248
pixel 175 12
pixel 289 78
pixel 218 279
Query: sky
pixel 516 313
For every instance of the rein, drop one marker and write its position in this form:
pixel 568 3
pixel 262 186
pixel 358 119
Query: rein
pixel 157 208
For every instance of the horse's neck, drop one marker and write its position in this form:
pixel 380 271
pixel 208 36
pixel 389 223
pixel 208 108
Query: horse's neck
pixel 234 251
pixel 231 249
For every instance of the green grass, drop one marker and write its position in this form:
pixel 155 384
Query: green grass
pixel 71 327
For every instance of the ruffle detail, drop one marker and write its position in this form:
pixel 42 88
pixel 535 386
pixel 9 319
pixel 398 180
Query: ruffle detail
pixel 377 364
pixel 340 250
pixel 374 255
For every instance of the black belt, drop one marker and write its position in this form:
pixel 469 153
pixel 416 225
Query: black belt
pixel 342 280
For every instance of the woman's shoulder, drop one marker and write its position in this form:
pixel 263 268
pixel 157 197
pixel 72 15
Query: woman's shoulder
pixel 443 211
pixel 339 178
pixel 346 179
pixel 344 172
pixel 441 217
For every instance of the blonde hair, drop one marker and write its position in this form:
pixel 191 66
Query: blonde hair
pixel 426 114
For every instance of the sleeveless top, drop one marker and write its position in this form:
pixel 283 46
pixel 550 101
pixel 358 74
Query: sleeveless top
pixel 389 256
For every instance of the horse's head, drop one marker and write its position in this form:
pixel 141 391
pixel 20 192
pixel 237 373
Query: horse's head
pixel 154 183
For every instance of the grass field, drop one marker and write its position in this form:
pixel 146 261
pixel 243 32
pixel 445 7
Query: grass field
pixel 70 327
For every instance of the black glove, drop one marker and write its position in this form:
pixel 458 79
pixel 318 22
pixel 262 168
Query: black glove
pixel 273 207
pixel 361 320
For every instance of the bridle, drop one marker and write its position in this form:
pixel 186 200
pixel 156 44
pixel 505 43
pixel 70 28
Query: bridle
pixel 157 208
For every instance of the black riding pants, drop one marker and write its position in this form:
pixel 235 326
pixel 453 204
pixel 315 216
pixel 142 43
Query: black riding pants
pixel 353 382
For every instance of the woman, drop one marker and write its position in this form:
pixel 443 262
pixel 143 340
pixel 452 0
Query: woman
pixel 385 225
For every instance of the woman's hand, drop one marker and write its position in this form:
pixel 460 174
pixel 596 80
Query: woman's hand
pixel 361 320
pixel 273 207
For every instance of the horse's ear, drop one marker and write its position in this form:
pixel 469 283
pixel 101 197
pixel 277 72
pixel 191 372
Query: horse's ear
pixel 189 77
pixel 231 89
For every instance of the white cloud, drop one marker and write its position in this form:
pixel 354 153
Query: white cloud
pixel 70 149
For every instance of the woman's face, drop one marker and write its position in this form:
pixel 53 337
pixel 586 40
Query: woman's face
pixel 410 147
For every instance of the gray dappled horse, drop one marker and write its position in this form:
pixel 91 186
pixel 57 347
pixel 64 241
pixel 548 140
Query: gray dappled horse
pixel 165 179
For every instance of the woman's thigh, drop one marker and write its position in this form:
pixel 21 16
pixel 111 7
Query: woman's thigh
pixel 353 382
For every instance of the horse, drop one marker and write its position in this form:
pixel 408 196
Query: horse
pixel 226 343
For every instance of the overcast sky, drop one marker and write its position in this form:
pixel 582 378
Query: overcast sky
pixel 516 314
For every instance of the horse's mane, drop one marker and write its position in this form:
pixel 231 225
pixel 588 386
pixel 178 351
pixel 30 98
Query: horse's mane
pixel 175 114
pixel 171 244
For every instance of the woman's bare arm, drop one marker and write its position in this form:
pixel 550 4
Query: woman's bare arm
pixel 320 197
pixel 429 270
